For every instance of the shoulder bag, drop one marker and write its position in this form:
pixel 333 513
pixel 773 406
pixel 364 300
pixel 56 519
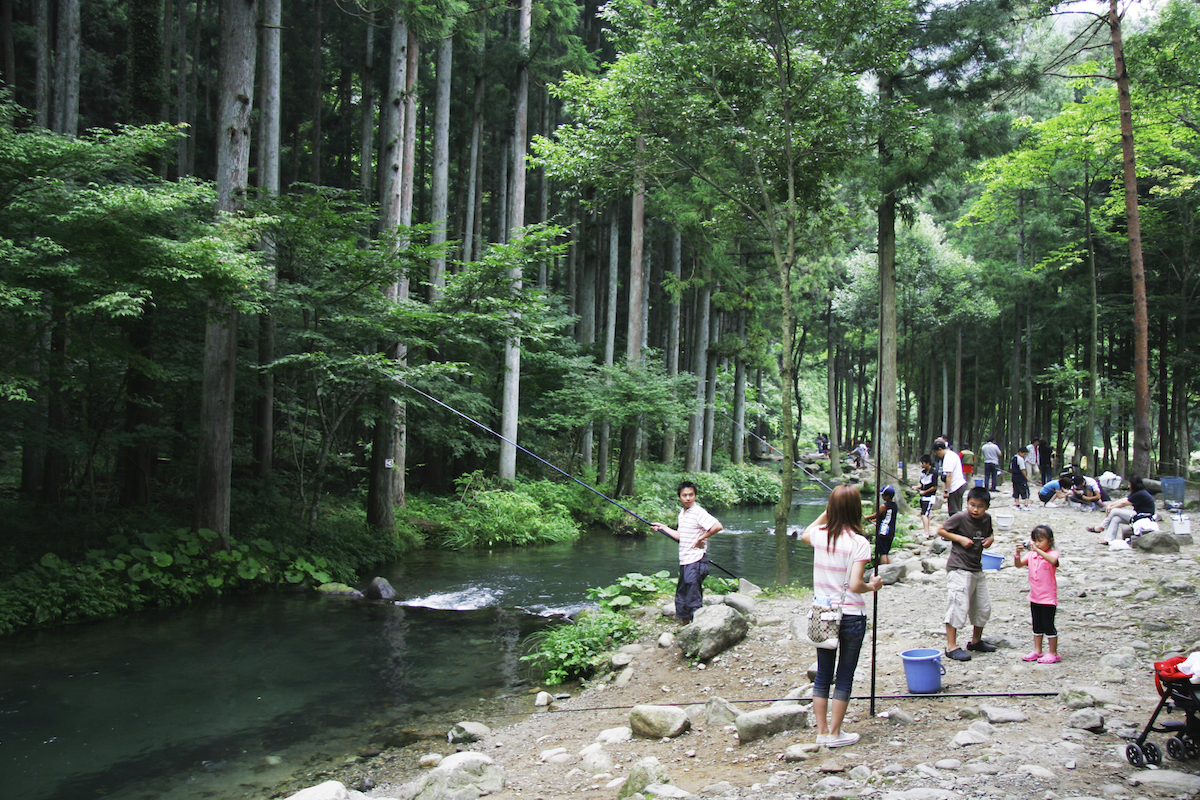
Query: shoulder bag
pixel 825 621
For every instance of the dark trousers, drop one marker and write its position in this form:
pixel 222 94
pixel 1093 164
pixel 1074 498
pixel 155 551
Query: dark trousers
pixel 689 591
pixel 990 472
pixel 954 500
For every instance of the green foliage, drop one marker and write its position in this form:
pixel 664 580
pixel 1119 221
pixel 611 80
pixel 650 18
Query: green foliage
pixel 487 516
pixel 575 650
pixel 754 485
pixel 150 570
pixel 632 589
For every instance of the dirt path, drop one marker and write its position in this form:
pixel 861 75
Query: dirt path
pixel 1108 602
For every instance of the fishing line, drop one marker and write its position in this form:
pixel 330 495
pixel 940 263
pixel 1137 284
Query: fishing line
pixel 541 460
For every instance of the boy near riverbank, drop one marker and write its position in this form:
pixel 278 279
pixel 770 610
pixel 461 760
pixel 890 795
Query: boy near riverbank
pixel 969 533
pixel 695 525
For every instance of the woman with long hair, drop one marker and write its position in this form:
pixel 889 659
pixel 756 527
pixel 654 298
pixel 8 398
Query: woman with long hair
pixel 838 543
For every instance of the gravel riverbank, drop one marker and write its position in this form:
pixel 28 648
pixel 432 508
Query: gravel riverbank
pixel 1119 612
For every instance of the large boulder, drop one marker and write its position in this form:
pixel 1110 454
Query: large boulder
pixel 329 790
pixel 741 602
pixel 719 711
pixel 713 630
pixel 462 776
pixel 658 722
pixel 1157 542
pixel 380 589
pixel 891 573
pixel 765 722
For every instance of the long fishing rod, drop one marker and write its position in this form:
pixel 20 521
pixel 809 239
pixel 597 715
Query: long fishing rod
pixel 538 458
pixel 798 464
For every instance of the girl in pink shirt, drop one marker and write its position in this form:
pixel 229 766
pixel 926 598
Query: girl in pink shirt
pixel 1042 560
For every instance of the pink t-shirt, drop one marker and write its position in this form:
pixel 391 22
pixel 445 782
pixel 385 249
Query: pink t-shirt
pixel 829 568
pixel 1043 585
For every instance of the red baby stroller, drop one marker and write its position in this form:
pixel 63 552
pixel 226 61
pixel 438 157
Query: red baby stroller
pixel 1177 693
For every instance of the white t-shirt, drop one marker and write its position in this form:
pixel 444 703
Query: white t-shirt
pixel 991 453
pixel 952 470
pixel 693 523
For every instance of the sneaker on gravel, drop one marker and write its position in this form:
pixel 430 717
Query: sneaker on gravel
pixel 1034 656
pixel 1049 658
pixel 958 654
pixel 981 646
pixel 842 740
pixel 822 738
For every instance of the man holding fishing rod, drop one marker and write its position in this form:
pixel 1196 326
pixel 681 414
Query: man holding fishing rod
pixel 694 527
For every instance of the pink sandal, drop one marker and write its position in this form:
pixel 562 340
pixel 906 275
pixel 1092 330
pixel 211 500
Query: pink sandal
pixel 1049 658
pixel 1034 656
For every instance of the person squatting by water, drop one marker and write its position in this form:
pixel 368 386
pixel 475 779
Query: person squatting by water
pixel 1041 558
pixel 969 533
pixel 885 524
pixel 838 543
pixel 695 525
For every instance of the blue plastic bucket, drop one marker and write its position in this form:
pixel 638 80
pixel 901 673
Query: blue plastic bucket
pixel 992 561
pixel 923 670
pixel 979 482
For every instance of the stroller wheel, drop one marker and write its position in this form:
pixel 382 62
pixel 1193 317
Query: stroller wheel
pixel 1191 748
pixel 1152 752
pixel 1175 748
pixel 1133 753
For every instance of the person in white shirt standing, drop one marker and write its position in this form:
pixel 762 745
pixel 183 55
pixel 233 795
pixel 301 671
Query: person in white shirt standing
pixel 952 473
pixel 991 463
pixel 694 527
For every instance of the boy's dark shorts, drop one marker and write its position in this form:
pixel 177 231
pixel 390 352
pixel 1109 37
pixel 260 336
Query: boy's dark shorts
pixel 883 544
pixel 1020 490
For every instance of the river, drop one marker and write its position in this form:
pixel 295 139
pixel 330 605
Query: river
pixel 224 696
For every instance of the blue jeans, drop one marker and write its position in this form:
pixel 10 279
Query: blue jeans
pixel 839 665
pixel 990 473
pixel 689 590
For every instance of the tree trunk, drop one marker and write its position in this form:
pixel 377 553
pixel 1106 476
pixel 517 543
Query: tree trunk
pixel 1141 335
pixel 738 438
pixel 694 460
pixel 380 484
pixel 366 136
pixel 610 337
pixel 510 399
pixel 268 183
pixel 672 354
pixel 887 449
pixel 635 329
pixel 441 167
pixel 235 88
pixel 317 99
pixel 42 90
pixel 710 392
pixel 66 70
pixel 473 170
pixel 835 458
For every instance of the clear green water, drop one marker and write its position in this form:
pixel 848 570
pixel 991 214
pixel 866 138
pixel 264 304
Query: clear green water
pixel 189 703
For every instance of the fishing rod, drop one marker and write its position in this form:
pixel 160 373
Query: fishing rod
pixel 798 464
pixel 538 458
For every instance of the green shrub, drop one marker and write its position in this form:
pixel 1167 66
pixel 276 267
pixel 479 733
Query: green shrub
pixel 754 485
pixel 490 517
pixel 575 650
pixel 713 490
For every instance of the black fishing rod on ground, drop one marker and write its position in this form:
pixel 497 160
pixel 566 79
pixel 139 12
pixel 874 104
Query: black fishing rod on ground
pixel 541 460
pixel 799 465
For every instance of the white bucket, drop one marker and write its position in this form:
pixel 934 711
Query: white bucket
pixel 1004 521
pixel 1181 524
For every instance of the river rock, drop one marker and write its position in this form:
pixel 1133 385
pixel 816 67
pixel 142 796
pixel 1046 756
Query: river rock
pixel 644 773
pixel 714 629
pixel 968 737
pixel 1037 771
pixel 658 722
pixel 623 678
pixel 998 715
pixel 740 602
pixel 614 735
pixel 339 590
pixel 667 639
pixel 932 565
pixel 329 790
pixel 459 777
pixel 763 722
pixel 543 699
pixel 380 589
pixel 1123 659
pixel 719 711
pixel 621 659
pixel 1178 586
pixel 467 732
pixel 663 790
pixel 1168 779
pixel 747 588
pixel 891 573
pixel 1157 542
pixel 430 760
pixel 1089 719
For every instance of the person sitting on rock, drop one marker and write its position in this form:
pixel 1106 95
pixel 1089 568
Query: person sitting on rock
pixel 1139 504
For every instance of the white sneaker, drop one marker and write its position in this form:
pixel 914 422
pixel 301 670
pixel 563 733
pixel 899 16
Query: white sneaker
pixel 824 737
pixel 840 741
pixel 1052 504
